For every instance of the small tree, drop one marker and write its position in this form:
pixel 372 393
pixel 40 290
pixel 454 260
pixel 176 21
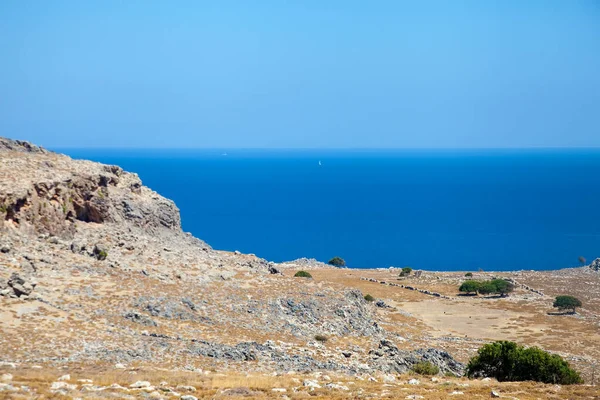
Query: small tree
pixel 486 287
pixel 469 275
pixel 303 274
pixel 567 303
pixel 469 287
pixel 337 262
pixel 406 271
pixel 369 298
pixel 503 287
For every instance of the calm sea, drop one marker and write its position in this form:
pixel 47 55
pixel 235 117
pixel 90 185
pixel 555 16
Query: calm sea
pixel 436 210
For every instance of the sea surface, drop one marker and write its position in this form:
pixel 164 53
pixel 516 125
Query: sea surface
pixel 428 209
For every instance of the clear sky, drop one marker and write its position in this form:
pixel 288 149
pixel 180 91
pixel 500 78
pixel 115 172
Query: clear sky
pixel 305 73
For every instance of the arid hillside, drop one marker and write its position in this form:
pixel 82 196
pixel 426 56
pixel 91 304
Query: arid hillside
pixel 102 295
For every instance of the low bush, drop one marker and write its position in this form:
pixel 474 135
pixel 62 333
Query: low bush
pixel 368 297
pixel 302 274
pixel 469 275
pixel 337 262
pixel 508 361
pixel 321 338
pixel 425 368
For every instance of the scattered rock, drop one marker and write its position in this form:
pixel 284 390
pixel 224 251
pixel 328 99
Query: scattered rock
pixel 186 388
pixel 6 378
pixel 336 386
pixel 494 394
pixel 311 384
pixel 140 385
pixel 64 378
pixel 414 382
pixel 62 386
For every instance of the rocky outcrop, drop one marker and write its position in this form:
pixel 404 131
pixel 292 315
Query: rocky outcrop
pixel 389 358
pixel 595 265
pixel 16 286
pixel 48 192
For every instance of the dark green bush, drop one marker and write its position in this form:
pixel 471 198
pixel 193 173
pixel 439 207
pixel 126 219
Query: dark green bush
pixel 426 368
pixel 503 287
pixel 321 338
pixel 368 297
pixel 337 262
pixel 567 303
pixel 495 286
pixel 507 361
pixel 469 287
pixel 302 274
pixel 469 274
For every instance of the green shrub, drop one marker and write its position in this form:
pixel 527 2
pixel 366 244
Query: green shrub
pixel 503 287
pixel 406 271
pixel 486 287
pixel 337 262
pixel 469 275
pixel 368 297
pixel 495 286
pixel 567 303
pixel 321 338
pixel 507 361
pixel 425 368
pixel 469 287
pixel 102 255
pixel 302 274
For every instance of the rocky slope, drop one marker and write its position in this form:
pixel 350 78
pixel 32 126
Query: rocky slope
pixel 94 268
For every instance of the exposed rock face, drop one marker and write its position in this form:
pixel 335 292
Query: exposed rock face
pixel 48 192
pixel 595 265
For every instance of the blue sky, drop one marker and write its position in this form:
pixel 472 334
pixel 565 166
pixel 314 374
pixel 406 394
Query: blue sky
pixel 296 74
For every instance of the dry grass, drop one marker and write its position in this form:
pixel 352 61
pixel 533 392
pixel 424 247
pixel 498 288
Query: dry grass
pixel 235 385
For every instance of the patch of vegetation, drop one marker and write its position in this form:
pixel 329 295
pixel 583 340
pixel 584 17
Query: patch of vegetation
pixel 469 287
pixel 368 297
pixel 565 303
pixel 337 262
pixel 508 361
pixel 3 208
pixel 321 338
pixel 102 254
pixel 302 274
pixel 425 368
pixel 494 286
pixel 469 275
pixel 406 271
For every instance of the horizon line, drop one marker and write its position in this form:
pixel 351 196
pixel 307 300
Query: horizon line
pixel 321 148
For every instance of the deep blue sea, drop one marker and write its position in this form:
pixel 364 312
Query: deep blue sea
pixel 428 209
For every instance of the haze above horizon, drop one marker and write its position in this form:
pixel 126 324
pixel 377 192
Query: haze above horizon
pixel 338 75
